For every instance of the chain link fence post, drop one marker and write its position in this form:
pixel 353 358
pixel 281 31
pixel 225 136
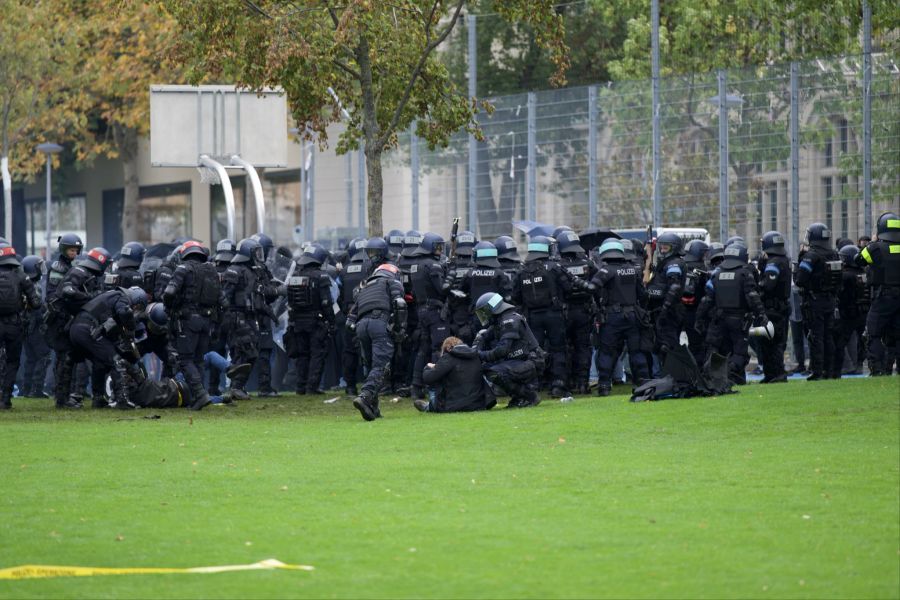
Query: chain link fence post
pixel 723 157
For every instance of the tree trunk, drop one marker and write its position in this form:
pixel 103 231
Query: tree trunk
pixel 372 133
pixel 128 150
pixel 374 187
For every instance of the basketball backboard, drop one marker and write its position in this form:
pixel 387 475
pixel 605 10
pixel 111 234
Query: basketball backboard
pixel 219 121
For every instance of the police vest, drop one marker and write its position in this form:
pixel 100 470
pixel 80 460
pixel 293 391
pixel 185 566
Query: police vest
pixel 782 289
pixel 353 275
pixel 204 287
pixel 373 295
pixel 729 286
pixel 482 280
pixel 10 291
pixel 579 268
pixel 694 283
pixel 242 280
pixel 304 289
pixel 420 278
pixel 621 287
pixel 537 285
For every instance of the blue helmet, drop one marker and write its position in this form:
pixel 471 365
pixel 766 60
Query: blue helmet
pixel 696 250
pixel 394 239
pixel 488 305
pixel 356 245
pixel 33 266
pixel 569 242
pixel 465 243
pixel 411 242
pixel 248 250
pixel 313 255
pixel 772 243
pixel 486 255
pixel 157 319
pixel 612 249
pixel 558 231
pixel 848 254
pixel 69 240
pixel 818 235
pixel 432 244
pixel 735 256
pixel 888 227
pixel 507 249
pixel 224 251
pixel 377 248
pixel 735 239
pixel 131 255
pixel 538 248
pixel 137 297
pixel 265 243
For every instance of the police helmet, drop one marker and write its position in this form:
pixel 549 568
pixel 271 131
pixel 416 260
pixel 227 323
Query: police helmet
pixel 224 251
pixel 313 255
pixel 388 270
pixel 668 244
pixel 612 249
pixel 137 297
pixel 69 240
pixel 538 247
pixel 888 227
pixel 194 251
pixel 488 305
pixel 772 243
pixel 507 249
pixel 248 250
pixel 431 244
pixel 465 243
pixel 8 256
pixel 696 250
pixel 559 230
pixel 157 319
pixel 131 255
pixel 819 236
pixel 376 248
pixel 716 253
pixel 735 255
pixel 569 242
pixel 33 266
pixel 848 254
pixel 394 239
pixel 411 242
pixel 355 246
pixel 735 239
pixel 486 255
pixel 96 260
pixel 265 242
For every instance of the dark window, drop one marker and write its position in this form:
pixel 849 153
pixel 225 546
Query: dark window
pixel 759 213
pixel 829 153
pixel 829 192
pixel 773 205
pixel 844 131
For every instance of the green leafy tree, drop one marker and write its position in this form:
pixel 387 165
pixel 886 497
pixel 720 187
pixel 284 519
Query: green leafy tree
pixel 379 58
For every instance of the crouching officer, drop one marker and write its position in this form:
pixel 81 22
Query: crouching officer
pixel 730 295
pixel 819 277
pixel 379 318
pixel 103 332
pixel 311 318
pixel 512 356
pixel 775 293
pixel 193 296
pixel 619 291
pixel 883 259
pixel 15 290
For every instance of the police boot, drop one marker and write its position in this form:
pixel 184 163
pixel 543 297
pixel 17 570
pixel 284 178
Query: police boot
pixel 603 389
pixel 583 389
pixel 351 390
pixel 417 391
pixel 238 371
pixel 99 401
pixel 558 389
pixel 200 397
pixel 268 394
pixel 120 391
pixel 367 406
pixel 5 401
pixel 530 397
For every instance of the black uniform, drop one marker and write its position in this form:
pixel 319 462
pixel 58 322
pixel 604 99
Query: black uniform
pixel 77 288
pixel 853 302
pixel 540 289
pixel 775 293
pixel 580 310
pixel 14 286
pixel 512 358
pixel 379 318
pixel 102 327
pixel 123 277
pixel 664 294
pixel 427 278
pixel 192 297
pixel 883 322
pixel 691 296
pixel 355 272
pixel 266 293
pixel 730 295
pixel 311 321
pixel 819 278
pixel 219 335
pixel 619 290
pixel 35 351
pixel 239 291
pixel 458 307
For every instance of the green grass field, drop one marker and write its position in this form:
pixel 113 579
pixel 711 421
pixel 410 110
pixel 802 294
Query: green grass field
pixel 778 491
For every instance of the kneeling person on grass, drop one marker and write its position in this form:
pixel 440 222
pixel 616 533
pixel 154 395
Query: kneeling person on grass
pixel 455 381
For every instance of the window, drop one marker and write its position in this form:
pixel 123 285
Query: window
pixel 844 132
pixel 759 213
pixel 68 217
pixel 829 192
pixel 829 153
pixel 164 212
pixel 773 206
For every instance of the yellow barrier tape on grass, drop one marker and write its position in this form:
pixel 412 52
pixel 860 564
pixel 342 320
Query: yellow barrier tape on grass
pixel 38 571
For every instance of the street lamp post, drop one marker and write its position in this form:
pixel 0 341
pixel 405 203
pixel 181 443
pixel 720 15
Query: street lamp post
pixel 49 148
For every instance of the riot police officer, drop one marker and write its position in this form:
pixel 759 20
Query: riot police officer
pixel 694 287
pixel 377 252
pixel 239 288
pixel 539 289
pixel 268 291
pixel 394 240
pixel 429 287
pixel 164 273
pixel 103 332
pixel 457 307
pixel 580 310
pixel 405 351
pixel 882 257
pixel 775 293
pixel 218 338
pixel 69 247
pixel 512 358
pixel 15 290
pixel 124 272
pixel 853 307
pixel 664 292
pixel 730 295
pixel 34 346
pixel 311 318
pixel 486 276
pixel 379 318
pixel 818 276
pixel 192 297
pixel 508 256
pixel 619 290
pixel 355 272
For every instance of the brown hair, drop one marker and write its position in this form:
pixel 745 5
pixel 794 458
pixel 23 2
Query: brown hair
pixel 450 342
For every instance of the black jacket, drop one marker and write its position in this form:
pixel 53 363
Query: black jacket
pixel 459 384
